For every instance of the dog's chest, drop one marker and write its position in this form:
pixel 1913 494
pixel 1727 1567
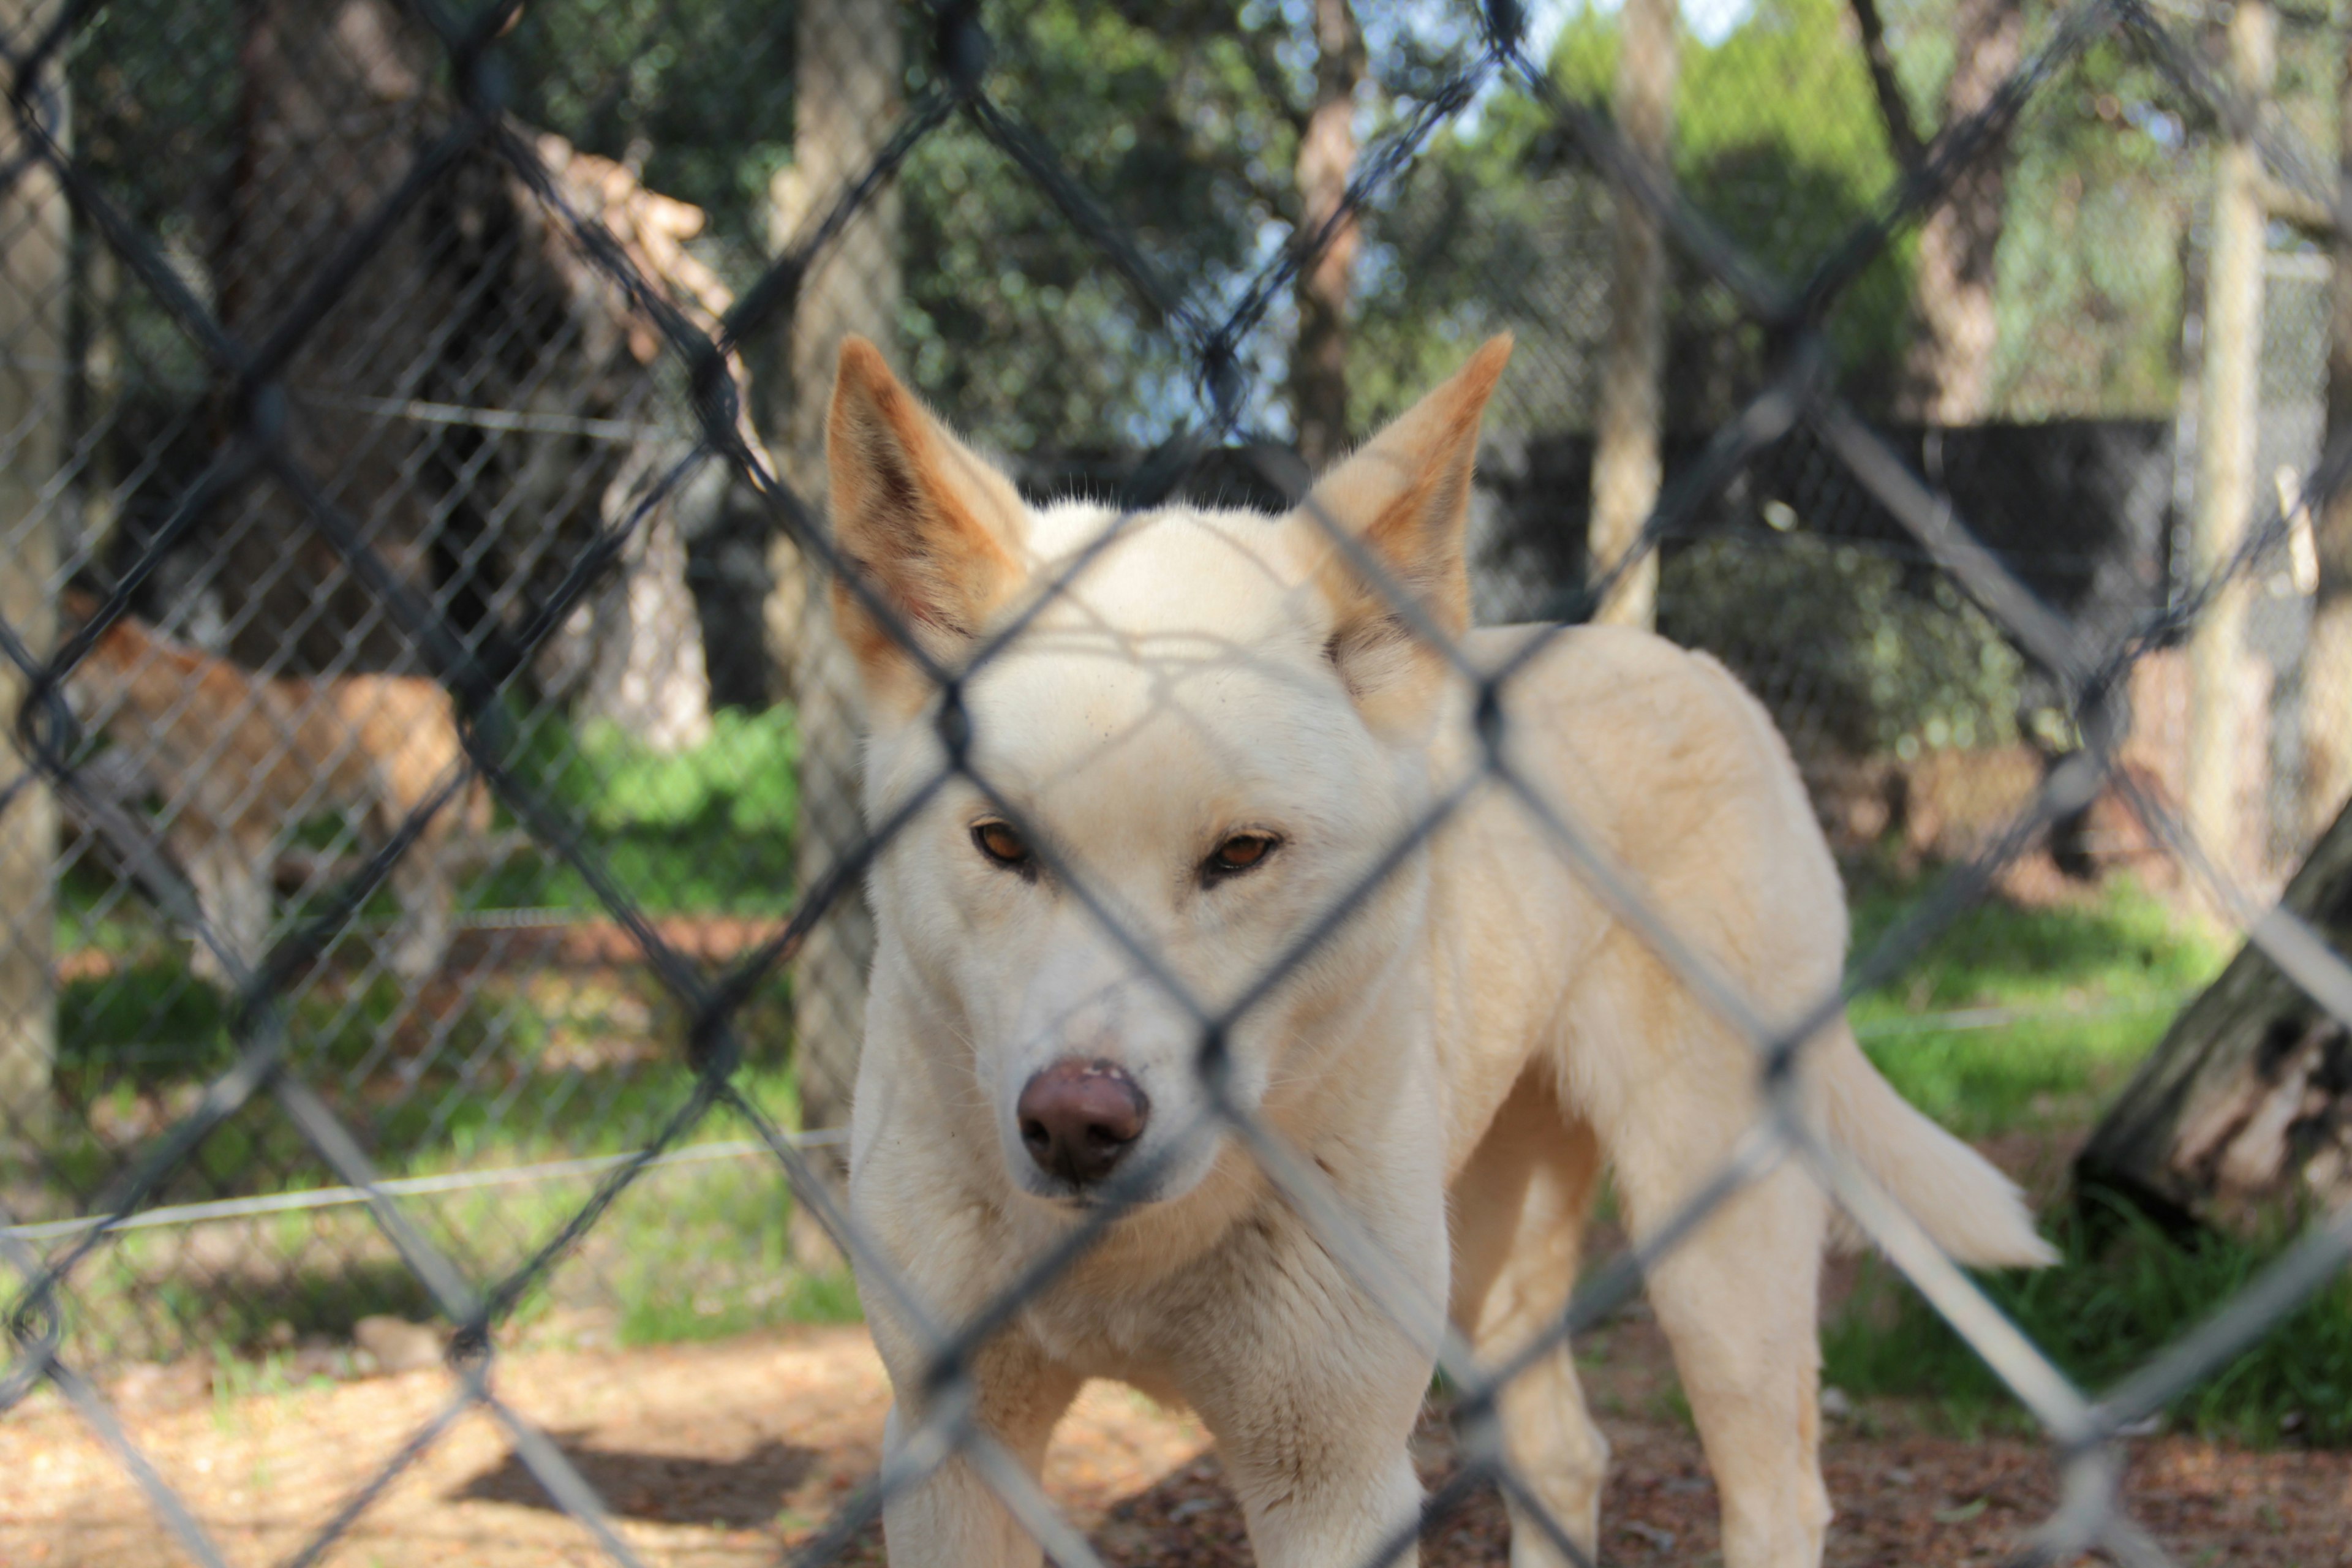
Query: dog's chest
pixel 1147 1330
pixel 1116 1334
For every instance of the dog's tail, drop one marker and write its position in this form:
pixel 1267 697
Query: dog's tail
pixel 1969 1207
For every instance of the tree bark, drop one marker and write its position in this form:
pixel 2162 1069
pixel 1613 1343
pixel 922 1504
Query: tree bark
pixel 645 672
pixel 2224 750
pixel 33 217
pixel 477 307
pixel 1903 137
pixel 2247 1102
pixel 849 101
pixel 1326 161
pixel 2327 661
pixel 1948 373
pixel 1625 456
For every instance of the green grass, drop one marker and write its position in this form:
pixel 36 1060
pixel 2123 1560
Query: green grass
pixel 687 1251
pixel 2012 1018
pixel 2069 1000
pixel 533 1065
pixel 2115 1298
pixel 530 1064
pixel 705 831
pixel 2065 1002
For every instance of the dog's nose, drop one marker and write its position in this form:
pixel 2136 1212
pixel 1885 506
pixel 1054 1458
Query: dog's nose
pixel 1079 1118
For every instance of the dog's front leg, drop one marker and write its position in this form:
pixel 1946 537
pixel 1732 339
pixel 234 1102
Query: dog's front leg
pixel 1329 1498
pixel 1312 1388
pixel 952 1518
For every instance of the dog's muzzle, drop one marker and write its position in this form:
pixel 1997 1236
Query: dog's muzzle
pixel 1078 1119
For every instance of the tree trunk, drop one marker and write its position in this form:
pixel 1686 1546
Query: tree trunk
pixel 2248 1099
pixel 1625 461
pixel 33 217
pixel 333 102
pixel 1948 373
pixel 2327 661
pixel 476 308
pixel 1326 161
pixel 849 102
pixel 646 674
pixel 2224 747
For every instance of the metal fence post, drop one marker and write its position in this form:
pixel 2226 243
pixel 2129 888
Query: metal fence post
pixel 2220 751
pixel 2327 664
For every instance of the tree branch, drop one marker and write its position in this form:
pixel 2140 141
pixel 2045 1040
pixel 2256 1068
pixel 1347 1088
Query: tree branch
pixel 1903 136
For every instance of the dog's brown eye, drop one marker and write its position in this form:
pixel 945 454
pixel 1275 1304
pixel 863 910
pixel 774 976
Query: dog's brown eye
pixel 1240 853
pixel 999 843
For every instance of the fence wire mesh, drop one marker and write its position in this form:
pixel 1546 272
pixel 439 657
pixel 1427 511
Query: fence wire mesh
pixel 415 525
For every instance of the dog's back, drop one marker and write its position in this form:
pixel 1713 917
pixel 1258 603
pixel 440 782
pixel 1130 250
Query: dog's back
pixel 251 754
pixel 238 758
pixel 226 749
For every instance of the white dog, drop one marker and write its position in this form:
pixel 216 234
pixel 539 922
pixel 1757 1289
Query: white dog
pixel 1211 736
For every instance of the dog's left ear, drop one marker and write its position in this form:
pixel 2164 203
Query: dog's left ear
pixel 1404 497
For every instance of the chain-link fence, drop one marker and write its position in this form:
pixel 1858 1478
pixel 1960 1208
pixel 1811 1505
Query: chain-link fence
pixel 431 881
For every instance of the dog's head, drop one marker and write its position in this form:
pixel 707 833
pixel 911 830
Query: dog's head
pixel 1145 781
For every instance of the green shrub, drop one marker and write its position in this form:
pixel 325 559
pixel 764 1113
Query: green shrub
pixel 707 830
pixel 741 776
pixel 1840 648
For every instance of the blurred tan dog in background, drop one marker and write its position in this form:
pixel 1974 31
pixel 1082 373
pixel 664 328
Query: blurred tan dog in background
pixel 239 759
pixel 1220 735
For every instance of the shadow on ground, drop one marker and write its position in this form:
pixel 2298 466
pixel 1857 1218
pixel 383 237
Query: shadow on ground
pixel 667 1488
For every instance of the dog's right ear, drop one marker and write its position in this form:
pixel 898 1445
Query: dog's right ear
pixel 929 527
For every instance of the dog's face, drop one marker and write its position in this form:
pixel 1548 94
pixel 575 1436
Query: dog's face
pixel 1182 779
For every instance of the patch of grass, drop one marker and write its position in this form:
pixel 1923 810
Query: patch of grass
pixel 707 830
pixel 667 1316
pixel 709 1256
pixel 543 1068
pixel 2032 1018
pixel 2113 1300
pixel 2021 1017
pixel 1672 1405
pixel 531 1064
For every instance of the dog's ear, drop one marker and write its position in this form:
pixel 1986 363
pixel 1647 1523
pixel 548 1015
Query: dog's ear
pixel 930 528
pixel 1404 497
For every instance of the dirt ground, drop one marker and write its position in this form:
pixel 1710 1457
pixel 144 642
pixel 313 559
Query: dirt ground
pixel 718 1455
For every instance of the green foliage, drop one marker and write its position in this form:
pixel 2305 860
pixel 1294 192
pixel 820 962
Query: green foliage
pixel 147 1019
pixel 699 92
pixel 741 776
pixel 2101 189
pixel 1852 656
pixel 1180 121
pixel 2121 1292
pixel 2066 1001
pixel 706 830
pixel 1776 139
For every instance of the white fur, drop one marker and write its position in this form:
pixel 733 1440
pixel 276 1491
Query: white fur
pixel 1465 1050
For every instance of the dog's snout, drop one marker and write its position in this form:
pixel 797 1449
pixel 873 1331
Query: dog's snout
pixel 1078 1119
